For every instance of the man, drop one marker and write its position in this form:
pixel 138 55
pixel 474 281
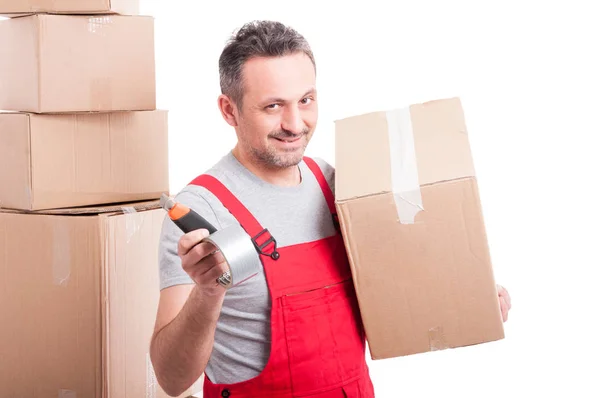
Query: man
pixel 295 327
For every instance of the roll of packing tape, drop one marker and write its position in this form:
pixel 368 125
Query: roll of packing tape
pixel 239 252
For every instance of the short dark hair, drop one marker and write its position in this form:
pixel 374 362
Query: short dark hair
pixel 256 39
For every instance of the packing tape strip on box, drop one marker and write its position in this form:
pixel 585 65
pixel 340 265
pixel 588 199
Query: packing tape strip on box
pixel 61 255
pixel 403 161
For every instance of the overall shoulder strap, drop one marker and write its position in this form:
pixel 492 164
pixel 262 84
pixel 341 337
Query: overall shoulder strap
pixel 316 170
pixel 261 237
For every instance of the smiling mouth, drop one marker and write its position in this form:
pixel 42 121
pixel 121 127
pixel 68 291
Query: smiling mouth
pixel 288 140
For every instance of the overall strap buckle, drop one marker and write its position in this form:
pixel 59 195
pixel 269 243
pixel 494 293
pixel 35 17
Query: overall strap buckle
pixel 336 222
pixel 260 247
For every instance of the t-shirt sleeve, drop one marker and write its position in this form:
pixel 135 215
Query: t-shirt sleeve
pixel 170 270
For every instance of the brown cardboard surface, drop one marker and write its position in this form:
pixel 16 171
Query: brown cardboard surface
pixel 426 285
pixel 64 64
pixel 441 140
pixel 15 165
pixel 78 311
pixel 56 161
pixel 19 64
pixel 12 8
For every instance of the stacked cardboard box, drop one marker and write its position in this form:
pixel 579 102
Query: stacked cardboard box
pixel 411 217
pixel 83 161
pixel 14 8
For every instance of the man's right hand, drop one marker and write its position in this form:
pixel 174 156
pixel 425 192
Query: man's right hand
pixel 187 316
pixel 202 262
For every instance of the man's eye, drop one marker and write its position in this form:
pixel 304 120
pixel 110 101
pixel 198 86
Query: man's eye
pixel 272 106
pixel 306 100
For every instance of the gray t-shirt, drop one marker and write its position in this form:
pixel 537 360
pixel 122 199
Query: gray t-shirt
pixel 293 215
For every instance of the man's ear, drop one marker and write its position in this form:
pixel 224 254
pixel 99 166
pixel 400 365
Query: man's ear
pixel 228 110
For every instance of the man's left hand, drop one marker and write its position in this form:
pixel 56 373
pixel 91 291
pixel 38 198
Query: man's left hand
pixel 504 299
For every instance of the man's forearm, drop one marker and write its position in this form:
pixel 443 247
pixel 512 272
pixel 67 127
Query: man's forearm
pixel 180 350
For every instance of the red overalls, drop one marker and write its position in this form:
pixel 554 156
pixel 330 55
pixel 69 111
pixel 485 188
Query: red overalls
pixel 317 338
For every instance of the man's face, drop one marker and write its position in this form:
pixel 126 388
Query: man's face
pixel 279 110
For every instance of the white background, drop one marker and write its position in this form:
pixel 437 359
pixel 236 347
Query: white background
pixel 528 76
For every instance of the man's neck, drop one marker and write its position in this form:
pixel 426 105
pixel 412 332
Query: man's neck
pixel 282 177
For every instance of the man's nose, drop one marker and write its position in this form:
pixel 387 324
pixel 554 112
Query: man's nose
pixel 292 120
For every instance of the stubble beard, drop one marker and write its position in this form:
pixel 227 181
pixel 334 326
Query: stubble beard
pixel 277 159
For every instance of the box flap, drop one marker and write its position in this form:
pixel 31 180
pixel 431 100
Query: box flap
pixel 15 160
pixel 402 149
pixel 441 141
pixel 362 159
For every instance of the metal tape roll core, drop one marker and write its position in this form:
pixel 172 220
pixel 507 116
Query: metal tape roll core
pixel 239 252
